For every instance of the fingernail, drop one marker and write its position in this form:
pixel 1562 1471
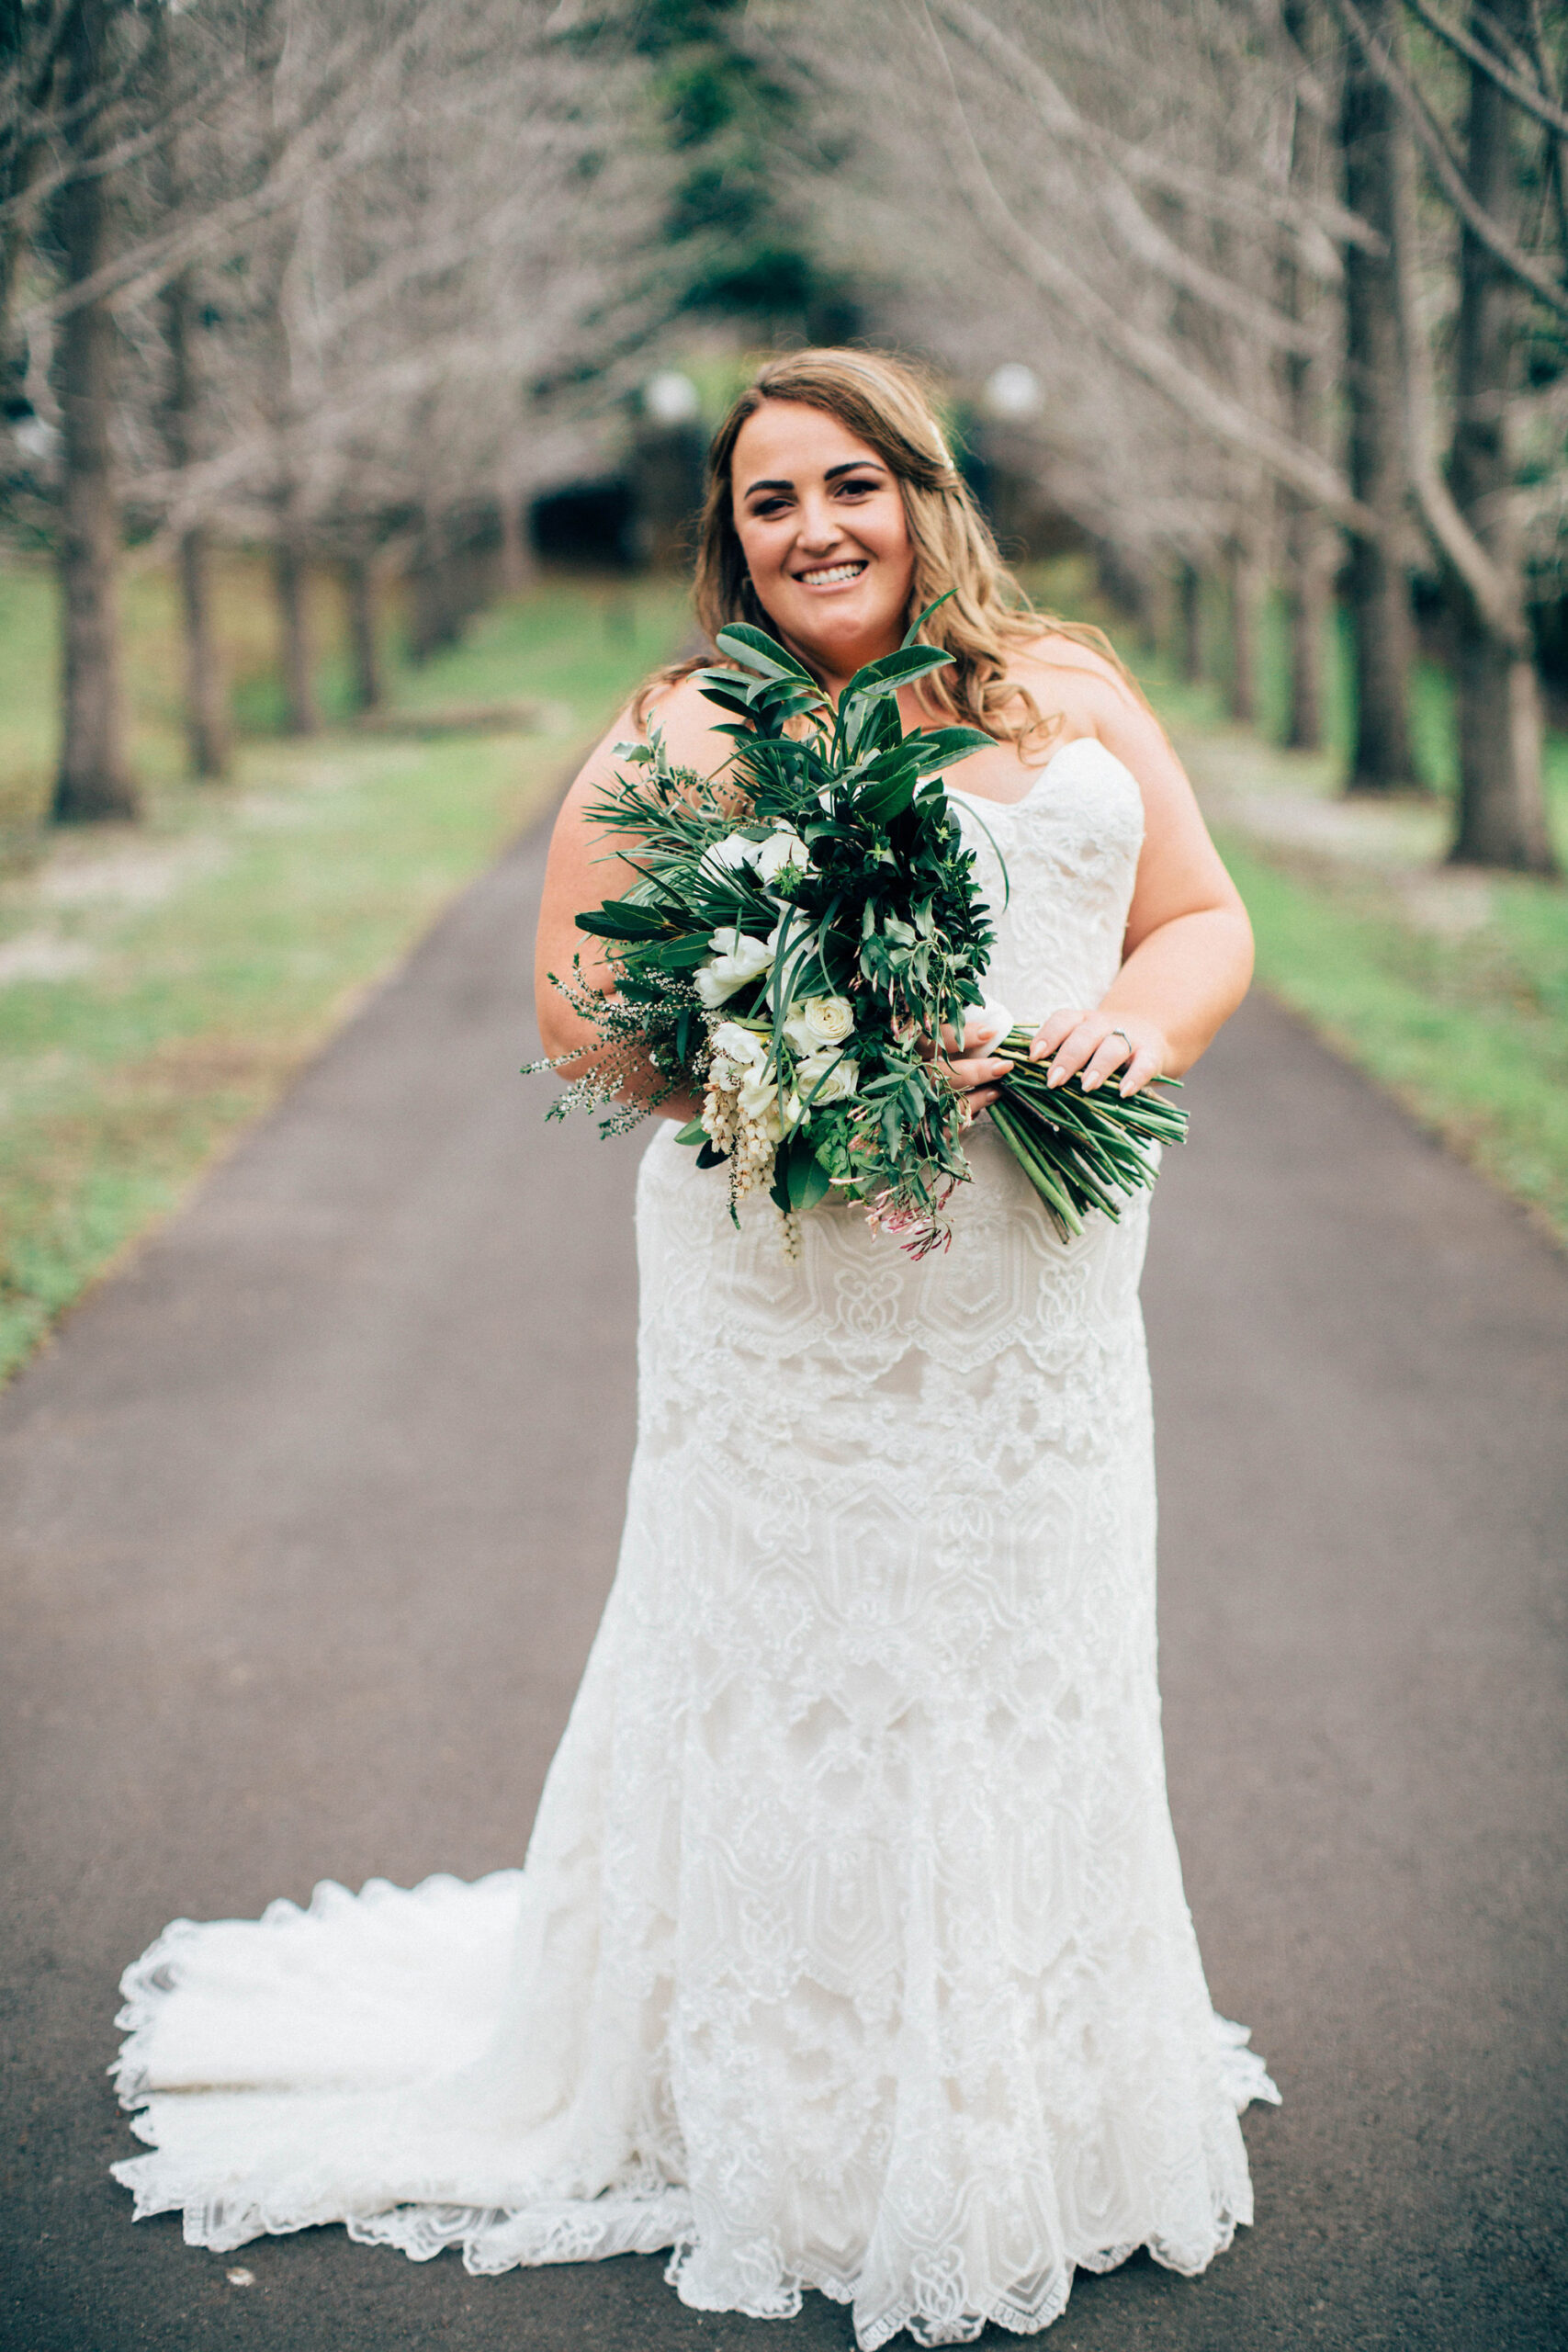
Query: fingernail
pixel 1088 1084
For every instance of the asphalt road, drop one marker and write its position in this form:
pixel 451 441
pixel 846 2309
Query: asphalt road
pixel 308 1517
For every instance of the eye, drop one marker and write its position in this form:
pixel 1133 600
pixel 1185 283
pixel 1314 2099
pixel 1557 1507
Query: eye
pixel 859 486
pixel 767 507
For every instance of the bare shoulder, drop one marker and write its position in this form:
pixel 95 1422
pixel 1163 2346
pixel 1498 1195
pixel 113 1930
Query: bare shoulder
pixel 689 725
pixel 1080 685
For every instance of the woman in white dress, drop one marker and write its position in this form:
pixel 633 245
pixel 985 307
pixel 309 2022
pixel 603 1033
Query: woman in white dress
pixel 851 1949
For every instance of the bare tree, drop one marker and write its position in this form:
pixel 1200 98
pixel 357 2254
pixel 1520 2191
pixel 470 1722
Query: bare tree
pixel 1507 263
pixel 1373 139
pixel 32 34
pixel 1168 250
pixel 94 779
pixel 1157 246
pixel 207 729
pixel 1307 550
pixel 328 267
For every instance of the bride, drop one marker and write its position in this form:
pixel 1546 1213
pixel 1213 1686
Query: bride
pixel 851 1949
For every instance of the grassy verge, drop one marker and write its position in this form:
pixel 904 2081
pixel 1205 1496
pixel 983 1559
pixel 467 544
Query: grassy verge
pixel 159 983
pixel 1450 986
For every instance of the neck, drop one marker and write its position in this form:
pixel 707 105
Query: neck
pixel 835 668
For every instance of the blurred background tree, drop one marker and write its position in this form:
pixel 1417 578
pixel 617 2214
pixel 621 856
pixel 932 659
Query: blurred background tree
pixel 739 242
pixel 357 364
pixel 403 292
pixel 1255 329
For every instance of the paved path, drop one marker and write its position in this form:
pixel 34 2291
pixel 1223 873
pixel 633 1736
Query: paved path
pixel 308 1515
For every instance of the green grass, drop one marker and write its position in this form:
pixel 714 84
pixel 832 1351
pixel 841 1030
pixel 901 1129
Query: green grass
pixel 222 940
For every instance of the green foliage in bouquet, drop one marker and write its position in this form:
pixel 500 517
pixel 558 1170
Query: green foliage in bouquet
pixel 798 930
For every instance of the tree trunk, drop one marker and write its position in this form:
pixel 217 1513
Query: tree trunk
pixel 432 590
pixel 1190 623
pixel 1245 582
pixel 1306 551
pixel 1381 637
pixel 1502 810
pixel 207 726
pixel 365 652
pixel 207 732
pixel 1308 606
pixel 94 780
pixel 1502 814
pixel 292 586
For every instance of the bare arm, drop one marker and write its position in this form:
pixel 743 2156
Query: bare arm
pixel 584 869
pixel 1189 944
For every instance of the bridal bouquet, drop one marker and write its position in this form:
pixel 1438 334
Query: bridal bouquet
pixel 795 939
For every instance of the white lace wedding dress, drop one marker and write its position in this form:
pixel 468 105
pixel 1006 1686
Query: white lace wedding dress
pixel 851 1949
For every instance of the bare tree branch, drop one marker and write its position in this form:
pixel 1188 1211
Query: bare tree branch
pixel 348 113
pixel 1512 86
pixel 132 149
pixel 1445 169
pixel 1098 146
pixel 1450 533
pixel 1151 357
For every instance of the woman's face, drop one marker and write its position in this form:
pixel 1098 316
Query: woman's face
pixel 823 527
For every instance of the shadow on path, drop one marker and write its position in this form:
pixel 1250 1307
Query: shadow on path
pixel 308 1516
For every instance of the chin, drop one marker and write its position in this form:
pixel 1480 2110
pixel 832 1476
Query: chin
pixel 839 621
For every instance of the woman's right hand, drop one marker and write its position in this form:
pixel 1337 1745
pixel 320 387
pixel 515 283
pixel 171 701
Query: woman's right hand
pixel 965 1063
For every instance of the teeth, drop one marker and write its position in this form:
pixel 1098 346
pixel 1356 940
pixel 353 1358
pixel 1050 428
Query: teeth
pixel 836 571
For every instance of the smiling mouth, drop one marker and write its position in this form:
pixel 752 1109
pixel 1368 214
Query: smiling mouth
pixel 832 575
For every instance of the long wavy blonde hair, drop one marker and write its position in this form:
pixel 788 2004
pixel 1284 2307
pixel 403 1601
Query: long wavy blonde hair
pixel 887 403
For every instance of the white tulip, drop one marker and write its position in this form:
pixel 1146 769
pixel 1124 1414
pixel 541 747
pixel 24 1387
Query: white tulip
pixel 782 848
pixel 984 1023
pixel 741 1046
pixel 760 1102
pixel 737 958
pixel 734 851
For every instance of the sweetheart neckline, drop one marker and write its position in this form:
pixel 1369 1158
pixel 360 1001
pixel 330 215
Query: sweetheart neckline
pixel 983 800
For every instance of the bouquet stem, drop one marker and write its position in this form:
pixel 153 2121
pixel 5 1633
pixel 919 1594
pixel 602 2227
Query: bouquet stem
pixel 1079 1151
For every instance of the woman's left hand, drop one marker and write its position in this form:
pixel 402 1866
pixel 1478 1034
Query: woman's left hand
pixel 1095 1045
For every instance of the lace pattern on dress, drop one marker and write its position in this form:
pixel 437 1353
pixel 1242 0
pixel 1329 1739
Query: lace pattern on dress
pixel 851 1951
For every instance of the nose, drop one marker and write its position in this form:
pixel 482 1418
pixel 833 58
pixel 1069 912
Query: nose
pixel 818 523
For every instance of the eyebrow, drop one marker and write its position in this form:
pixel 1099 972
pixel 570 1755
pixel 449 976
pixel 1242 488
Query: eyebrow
pixel 849 467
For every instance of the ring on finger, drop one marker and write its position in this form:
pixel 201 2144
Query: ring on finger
pixel 1125 1039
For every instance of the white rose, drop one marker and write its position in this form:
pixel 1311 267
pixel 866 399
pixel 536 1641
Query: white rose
pixel 782 848
pixel 826 1020
pixel 737 959
pixel 826 1077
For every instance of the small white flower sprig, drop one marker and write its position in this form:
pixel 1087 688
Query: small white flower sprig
pixel 787 961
